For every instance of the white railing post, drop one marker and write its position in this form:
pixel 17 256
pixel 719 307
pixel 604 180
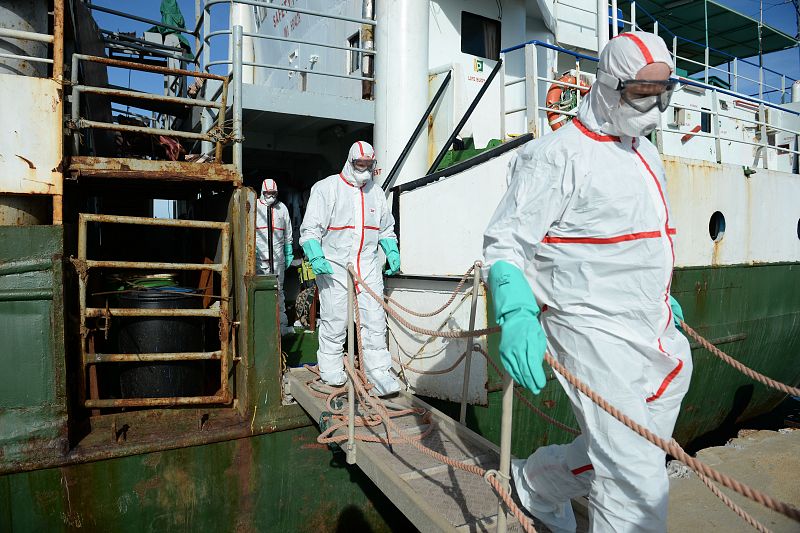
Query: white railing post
pixel 760 82
pixel 476 281
pixel 705 64
pixel 614 21
pixel 735 74
pixel 762 118
pixel 715 126
pixel 237 97
pixel 675 50
pixel 532 89
pixel 506 425
pixel 205 113
pixel 633 16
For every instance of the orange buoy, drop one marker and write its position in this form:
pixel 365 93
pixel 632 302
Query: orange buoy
pixel 562 98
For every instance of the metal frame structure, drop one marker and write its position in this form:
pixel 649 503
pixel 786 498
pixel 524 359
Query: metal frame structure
pixel 213 134
pixel 533 107
pixel 83 265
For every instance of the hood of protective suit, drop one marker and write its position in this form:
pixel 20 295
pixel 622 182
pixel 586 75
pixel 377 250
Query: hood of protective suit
pixel 623 57
pixel 359 150
pixel 267 186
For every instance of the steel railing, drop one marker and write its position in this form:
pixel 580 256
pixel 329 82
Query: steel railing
pixel 534 107
pixel 213 134
pixel 56 39
pixel 89 316
pixel 208 35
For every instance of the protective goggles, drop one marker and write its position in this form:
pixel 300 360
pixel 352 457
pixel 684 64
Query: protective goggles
pixel 363 164
pixel 642 95
pixel 268 194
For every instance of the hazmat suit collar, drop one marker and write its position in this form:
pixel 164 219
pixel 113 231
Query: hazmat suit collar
pixel 623 57
pixel 363 150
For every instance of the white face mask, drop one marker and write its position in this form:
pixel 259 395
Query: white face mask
pixel 633 123
pixel 269 200
pixel 361 177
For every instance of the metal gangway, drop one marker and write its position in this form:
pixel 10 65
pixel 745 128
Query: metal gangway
pixel 440 474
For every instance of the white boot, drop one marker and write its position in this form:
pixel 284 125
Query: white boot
pixel 385 383
pixel 558 517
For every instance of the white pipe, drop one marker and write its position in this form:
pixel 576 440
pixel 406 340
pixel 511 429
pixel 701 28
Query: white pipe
pixel 244 16
pixel 401 85
pixel 462 417
pixel 505 445
pixel 614 20
pixel 602 25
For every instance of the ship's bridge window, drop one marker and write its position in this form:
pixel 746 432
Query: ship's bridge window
pixel 480 36
pixel 353 57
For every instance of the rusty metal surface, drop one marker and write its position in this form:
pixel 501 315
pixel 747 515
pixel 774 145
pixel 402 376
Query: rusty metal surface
pixel 156 402
pixel 142 357
pixel 149 68
pixel 83 123
pixel 147 96
pixel 124 168
pixel 152 266
pixel 93 312
pixel 58 40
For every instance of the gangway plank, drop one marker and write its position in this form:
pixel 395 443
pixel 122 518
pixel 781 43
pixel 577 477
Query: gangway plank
pixel 432 495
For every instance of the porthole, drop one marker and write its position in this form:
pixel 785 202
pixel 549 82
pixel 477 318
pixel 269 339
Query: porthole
pixel 716 226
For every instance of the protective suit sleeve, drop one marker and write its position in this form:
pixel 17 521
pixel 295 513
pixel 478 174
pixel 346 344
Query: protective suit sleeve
pixel 677 312
pixel 317 217
pixel 522 340
pixel 387 221
pixel 539 189
pixel 315 255
pixel 392 255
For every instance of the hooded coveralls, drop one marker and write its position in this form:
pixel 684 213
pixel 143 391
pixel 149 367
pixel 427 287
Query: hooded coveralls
pixel 281 234
pixel 586 218
pixel 349 219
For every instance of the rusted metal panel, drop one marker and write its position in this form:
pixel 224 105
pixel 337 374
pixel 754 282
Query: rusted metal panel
pixel 30 162
pixel 124 168
pixel 147 96
pixel 152 266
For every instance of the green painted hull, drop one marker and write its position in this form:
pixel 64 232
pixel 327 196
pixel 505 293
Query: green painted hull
pixel 269 473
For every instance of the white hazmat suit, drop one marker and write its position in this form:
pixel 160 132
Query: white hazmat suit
pixel 347 212
pixel 281 236
pixel 586 218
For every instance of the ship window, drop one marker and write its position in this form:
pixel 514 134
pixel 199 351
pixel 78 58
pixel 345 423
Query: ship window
pixel 353 57
pixel 705 121
pixel 716 226
pixel 480 36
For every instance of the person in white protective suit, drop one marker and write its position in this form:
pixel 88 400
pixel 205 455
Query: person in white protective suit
pixel 282 238
pixel 584 233
pixel 346 219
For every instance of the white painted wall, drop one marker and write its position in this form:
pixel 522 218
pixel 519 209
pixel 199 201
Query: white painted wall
pixel 31 141
pixel 424 353
pixel 761 213
pixel 269 21
pixel 442 224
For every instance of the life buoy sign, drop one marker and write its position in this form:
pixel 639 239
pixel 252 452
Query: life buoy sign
pixel 563 98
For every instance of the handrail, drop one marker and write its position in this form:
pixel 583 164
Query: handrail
pixel 386 185
pixel 467 114
pixel 269 5
pixel 137 18
pixel 686 81
pixel 536 42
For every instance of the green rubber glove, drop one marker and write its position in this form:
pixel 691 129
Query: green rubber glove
pixel 522 340
pixel 288 253
pixel 677 312
pixel 392 255
pixel 316 257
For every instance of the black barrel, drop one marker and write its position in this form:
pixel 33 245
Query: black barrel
pixel 160 334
